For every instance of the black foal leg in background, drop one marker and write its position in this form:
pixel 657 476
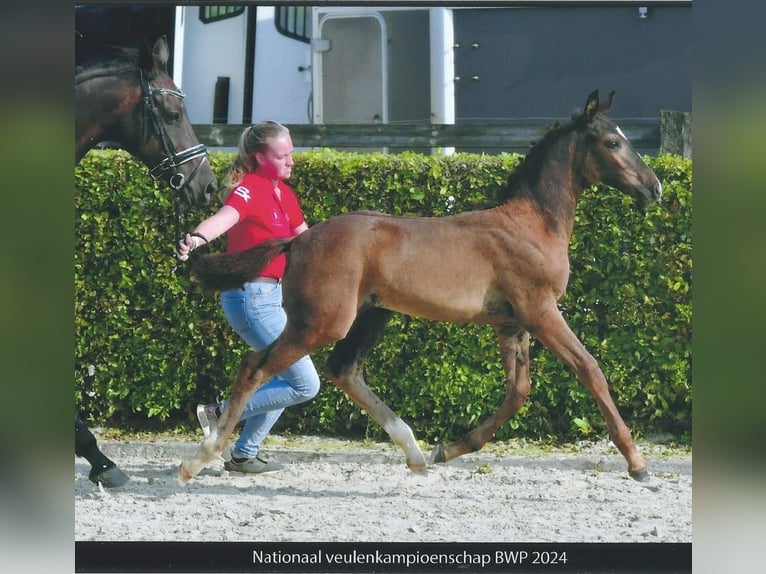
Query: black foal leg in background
pixel 102 470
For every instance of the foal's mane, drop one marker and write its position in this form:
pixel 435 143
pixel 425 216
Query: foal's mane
pixel 526 176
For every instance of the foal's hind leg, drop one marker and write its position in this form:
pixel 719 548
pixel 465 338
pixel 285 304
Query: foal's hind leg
pixel 249 378
pixel 257 367
pixel 345 369
pixel 514 352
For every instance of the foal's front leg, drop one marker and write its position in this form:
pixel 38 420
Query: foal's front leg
pixel 553 332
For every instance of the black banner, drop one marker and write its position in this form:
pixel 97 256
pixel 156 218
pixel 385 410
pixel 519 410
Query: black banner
pixel 299 557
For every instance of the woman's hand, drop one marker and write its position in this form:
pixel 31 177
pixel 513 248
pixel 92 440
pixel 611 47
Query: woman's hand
pixel 214 226
pixel 186 246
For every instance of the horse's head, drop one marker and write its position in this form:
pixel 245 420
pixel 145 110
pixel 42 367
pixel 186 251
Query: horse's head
pixel 609 157
pixel 167 143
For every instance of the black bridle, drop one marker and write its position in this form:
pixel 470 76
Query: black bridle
pixel 172 159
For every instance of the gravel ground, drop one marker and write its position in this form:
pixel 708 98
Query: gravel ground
pixel 337 491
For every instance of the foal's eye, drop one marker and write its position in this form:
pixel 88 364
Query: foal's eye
pixel 173 117
pixel 612 144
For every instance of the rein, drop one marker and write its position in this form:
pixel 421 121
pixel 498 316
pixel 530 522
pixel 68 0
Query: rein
pixel 172 159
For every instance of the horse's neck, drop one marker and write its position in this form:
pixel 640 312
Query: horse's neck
pixel 102 100
pixel 552 187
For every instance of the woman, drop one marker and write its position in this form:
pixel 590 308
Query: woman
pixel 258 205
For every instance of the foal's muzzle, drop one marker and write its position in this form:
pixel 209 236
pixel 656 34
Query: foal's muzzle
pixel 649 194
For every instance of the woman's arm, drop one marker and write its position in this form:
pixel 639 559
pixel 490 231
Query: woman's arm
pixel 211 228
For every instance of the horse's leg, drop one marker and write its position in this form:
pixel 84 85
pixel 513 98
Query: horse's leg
pixel 514 352
pixel 103 469
pixel 345 369
pixel 256 368
pixel 552 331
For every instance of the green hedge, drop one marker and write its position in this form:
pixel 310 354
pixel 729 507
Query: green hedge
pixel 150 344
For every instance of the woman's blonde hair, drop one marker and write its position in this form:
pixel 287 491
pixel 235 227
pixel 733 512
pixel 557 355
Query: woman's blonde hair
pixel 254 139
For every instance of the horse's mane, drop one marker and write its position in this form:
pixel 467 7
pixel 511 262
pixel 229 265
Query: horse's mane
pixel 526 175
pixel 94 59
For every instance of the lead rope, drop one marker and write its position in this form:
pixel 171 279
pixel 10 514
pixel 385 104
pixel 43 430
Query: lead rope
pixel 178 213
pixel 180 235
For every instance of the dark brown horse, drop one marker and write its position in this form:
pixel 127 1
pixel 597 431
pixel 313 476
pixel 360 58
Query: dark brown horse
pixel 125 96
pixel 506 266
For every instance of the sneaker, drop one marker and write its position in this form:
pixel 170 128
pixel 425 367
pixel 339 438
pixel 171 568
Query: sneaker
pixel 208 417
pixel 254 465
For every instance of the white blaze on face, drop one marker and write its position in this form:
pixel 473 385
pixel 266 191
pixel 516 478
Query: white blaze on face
pixel 619 131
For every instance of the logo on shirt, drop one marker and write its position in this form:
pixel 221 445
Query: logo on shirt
pixel 243 193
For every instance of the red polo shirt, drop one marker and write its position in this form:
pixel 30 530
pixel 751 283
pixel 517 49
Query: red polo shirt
pixel 262 216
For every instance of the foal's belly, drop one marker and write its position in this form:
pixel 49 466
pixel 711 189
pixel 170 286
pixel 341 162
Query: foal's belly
pixel 442 303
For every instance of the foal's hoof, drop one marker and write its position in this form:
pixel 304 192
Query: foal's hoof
pixel 112 477
pixel 437 455
pixel 184 475
pixel 419 469
pixel 639 475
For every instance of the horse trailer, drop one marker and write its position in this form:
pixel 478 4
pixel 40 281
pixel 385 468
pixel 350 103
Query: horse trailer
pixel 363 64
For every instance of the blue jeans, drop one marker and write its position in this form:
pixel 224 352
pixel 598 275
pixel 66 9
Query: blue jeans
pixel 255 312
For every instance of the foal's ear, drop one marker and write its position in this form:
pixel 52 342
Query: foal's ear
pixel 608 103
pixel 591 106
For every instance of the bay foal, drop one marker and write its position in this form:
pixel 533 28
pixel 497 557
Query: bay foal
pixel 506 266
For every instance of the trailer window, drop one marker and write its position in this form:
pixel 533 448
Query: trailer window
pixel 294 22
pixel 208 14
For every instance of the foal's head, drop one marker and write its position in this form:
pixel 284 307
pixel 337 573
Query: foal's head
pixel 607 156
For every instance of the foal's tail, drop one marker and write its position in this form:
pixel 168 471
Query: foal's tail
pixel 225 271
